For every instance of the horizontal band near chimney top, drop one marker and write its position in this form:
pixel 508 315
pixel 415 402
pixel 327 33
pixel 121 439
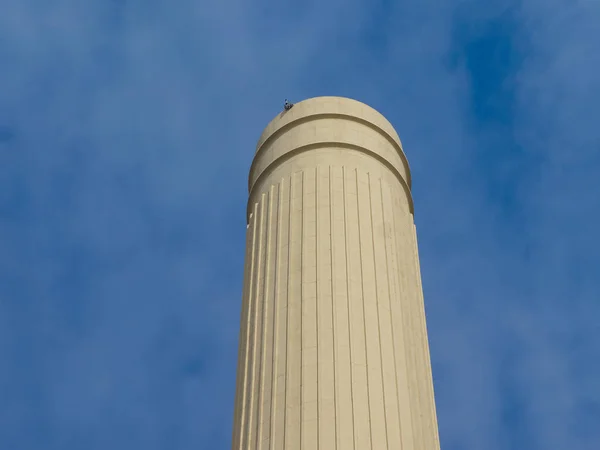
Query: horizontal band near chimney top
pixel 267 140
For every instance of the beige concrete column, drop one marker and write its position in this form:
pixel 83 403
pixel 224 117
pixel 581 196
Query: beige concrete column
pixel 333 344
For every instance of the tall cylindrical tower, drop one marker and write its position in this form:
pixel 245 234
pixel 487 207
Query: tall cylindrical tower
pixel 333 344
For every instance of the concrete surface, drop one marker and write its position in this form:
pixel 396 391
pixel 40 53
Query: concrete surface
pixel 333 343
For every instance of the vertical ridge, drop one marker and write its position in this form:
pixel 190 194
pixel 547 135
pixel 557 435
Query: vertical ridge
pixel 387 237
pixel 421 363
pixel 309 314
pixel 242 350
pixel 309 325
pixel 333 315
pixel 325 350
pixel 342 358
pixel 244 420
pixel 301 298
pixel 294 333
pixel 287 316
pixel 278 377
pixel 317 296
pixel 408 326
pixel 407 414
pixel 378 313
pixel 418 343
pixel 362 423
pixel 257 326
pixel 364 312
pixel 347 259
pixel 266 358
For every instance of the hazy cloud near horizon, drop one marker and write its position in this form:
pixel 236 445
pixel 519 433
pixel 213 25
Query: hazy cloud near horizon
pixel 126 133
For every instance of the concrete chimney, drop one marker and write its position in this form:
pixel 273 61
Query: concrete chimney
pixel 333 347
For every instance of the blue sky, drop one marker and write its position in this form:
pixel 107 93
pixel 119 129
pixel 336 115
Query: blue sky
pixel 126 132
